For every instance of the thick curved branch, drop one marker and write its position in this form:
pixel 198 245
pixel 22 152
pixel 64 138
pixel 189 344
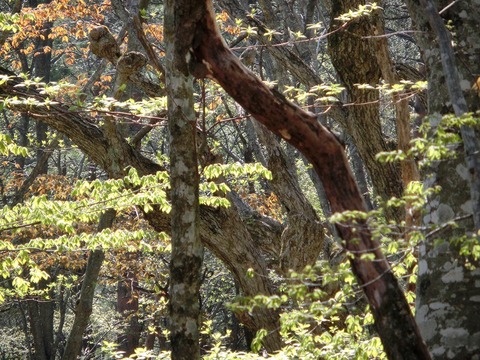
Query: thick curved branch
pixel 239 245
pixel 113 155
pixel 213 59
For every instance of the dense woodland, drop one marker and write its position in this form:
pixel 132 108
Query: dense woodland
pixel 286 179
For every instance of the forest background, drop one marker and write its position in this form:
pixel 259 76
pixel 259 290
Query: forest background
pixel 242 179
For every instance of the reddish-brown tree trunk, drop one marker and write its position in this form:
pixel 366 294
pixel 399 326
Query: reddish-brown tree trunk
pixel 211 58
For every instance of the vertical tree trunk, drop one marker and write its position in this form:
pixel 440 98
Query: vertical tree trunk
pixel 187 250
pixel 127 306
pixel 25 331
pixel 22 138
pixel 447 289
pixel 402 115
pixel 399 100
pixel 471 143
pixel 354 57
pixel 41 68
pixel 40 314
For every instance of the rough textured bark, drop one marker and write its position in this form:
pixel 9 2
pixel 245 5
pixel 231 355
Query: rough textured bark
pixel 399 100
pixel 83 309
pixel 92 140
pixel 25 331
pixel 187 250
pixel 470 141
pixel 240 254
pixel 104 45
pixel 409 170
pixel 447 290
pixel 213 59
pixel 221 229
pixel 359 172
pixel 42 64
pixel 354 58
pixel 40 315
pixel 304 236
pixel 283 55
pixel 303 239
pixel 127 306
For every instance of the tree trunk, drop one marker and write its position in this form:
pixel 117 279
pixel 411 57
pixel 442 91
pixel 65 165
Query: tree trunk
pixel 41 68
pixel 238 248
pixel 354 58
pixel 238 244
pixel 40 314
pixel 22 139
pixel 187 250
pixel 83 309
pixel 447 289
pixel 304 235
pixel 240 254
pixel 127 306
pixel 213 59
pixel 471 143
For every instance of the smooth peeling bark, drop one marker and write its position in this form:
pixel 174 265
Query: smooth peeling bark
pixel 394 321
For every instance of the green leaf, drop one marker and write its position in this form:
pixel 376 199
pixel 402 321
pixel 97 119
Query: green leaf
pixel 257 341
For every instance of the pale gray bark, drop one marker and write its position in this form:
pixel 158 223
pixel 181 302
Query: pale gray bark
pixel 470 141
pixel 187 249
pixel 447 290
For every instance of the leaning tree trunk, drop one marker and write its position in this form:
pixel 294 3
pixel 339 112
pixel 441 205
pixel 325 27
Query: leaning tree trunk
pixel 84 305
pixel 211 58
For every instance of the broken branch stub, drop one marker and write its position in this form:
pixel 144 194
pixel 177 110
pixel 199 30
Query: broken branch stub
pixel 103 44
